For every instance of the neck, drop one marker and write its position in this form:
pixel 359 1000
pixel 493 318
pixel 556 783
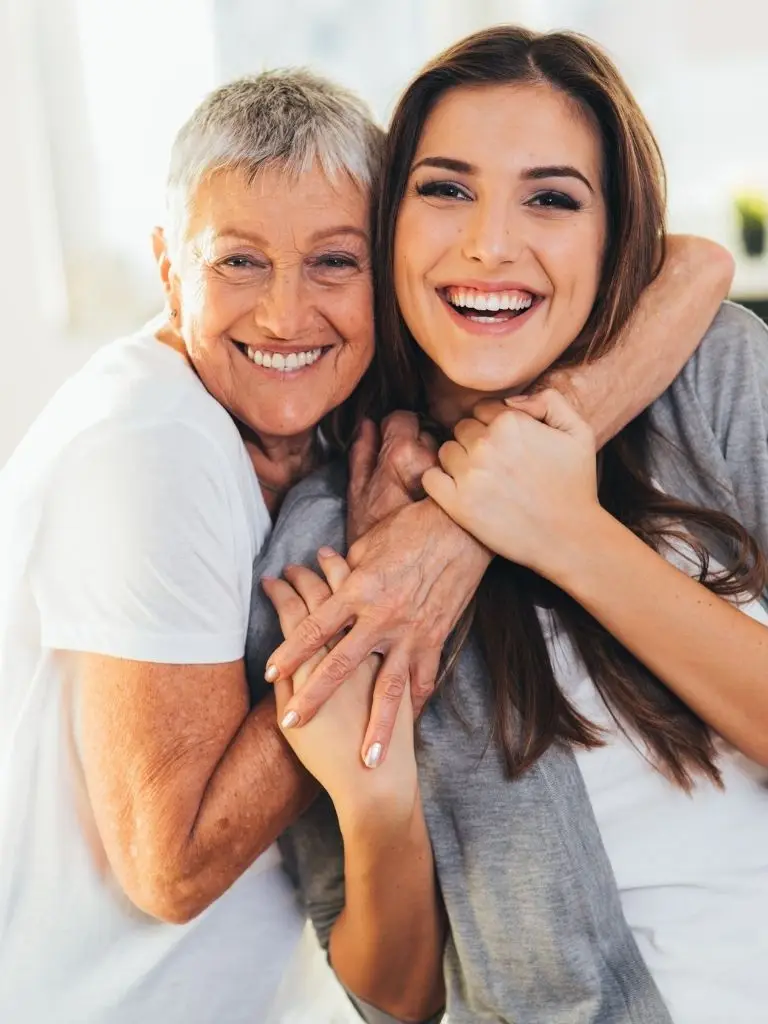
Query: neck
pixel 280 462
pixel 450 402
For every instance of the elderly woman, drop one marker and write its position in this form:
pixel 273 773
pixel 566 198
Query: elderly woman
pixel 141 791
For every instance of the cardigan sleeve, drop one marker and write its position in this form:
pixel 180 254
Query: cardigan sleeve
pixel 713 423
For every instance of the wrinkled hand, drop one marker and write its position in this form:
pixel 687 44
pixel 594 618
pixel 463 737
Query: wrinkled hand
pixel 386 476
pixel 413 576
pixel 329 746
pixel 521 477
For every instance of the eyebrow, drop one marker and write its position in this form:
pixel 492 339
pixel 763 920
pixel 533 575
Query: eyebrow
pixel 342 229
pixel 447 163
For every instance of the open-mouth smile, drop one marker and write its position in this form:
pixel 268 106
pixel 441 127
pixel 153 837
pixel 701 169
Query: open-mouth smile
pixel 281 360
pixel 498 311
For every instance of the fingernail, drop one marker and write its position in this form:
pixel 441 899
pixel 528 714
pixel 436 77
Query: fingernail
pixel 267 579
pixel 272 673
pixel 373 756
pixel 289 720
pixel 326 552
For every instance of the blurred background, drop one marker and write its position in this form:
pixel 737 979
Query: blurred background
pixel 92 92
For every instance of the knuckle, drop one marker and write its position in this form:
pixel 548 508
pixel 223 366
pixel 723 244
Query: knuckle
pixel 390 688
pixel 340 665
pixel 310 633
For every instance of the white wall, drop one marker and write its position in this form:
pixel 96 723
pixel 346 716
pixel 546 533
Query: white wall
pixel 33 355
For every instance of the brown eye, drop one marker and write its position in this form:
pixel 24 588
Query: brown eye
pixel 554 201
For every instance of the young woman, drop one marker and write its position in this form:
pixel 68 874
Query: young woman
pixel 618 632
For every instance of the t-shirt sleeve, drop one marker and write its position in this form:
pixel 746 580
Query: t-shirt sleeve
pixel 136 554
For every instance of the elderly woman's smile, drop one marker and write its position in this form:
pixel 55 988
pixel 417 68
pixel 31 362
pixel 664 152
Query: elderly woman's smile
pixel 274 292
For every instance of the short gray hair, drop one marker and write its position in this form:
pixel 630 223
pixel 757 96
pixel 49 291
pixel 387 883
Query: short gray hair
pixel 292 118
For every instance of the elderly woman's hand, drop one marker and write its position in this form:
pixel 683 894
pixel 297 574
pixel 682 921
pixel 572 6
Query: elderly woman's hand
pixel 414 573
pixel 329 746
pixel 385 475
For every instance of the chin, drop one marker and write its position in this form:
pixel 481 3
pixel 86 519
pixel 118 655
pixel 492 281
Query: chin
pixel 488 379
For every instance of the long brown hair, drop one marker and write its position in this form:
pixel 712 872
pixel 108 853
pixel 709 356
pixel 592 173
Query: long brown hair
pixel 531 712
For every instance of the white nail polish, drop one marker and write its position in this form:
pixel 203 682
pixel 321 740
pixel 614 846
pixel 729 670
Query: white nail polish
pixel 373 755
pixel 271 674
pixel 289 720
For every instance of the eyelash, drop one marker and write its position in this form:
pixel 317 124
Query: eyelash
pixel 557 200
pixel 336 261
pixel 442 190
pixel 332 261
pixel 548 199
pixel 239 262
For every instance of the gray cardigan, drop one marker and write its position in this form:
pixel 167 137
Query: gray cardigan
pixel 537 934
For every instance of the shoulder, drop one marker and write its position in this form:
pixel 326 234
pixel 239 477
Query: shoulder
pixel 736 340
pixel 728 370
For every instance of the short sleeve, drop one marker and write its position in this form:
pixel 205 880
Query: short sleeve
pixel 136 556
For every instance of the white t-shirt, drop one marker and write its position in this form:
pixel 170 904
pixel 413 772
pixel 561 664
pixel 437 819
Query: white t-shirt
pixel 692 871
pixel 129 521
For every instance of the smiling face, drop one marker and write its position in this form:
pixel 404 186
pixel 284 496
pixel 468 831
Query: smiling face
pixel 500 235
pixel 272 283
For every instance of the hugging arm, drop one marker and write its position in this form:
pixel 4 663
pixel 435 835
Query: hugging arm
pixel 670 320
pixel 184 784
pixel 415 571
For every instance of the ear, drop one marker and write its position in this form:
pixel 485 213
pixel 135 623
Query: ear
pixel 163 260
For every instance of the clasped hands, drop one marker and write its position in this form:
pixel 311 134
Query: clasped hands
pixel 518 480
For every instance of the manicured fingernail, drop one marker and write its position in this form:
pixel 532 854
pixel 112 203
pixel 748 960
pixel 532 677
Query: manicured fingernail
pixel 272 673
pixel 326 552
pixel 373 756
pixel 289 720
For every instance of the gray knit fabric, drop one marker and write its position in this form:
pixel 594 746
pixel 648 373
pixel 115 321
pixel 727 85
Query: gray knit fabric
pixel 537 934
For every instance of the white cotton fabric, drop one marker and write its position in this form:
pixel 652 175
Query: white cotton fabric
pixel 130 517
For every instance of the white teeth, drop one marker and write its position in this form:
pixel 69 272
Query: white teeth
pixel 285 363
pixel 469 298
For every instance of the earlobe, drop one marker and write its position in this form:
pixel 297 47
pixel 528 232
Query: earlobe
pixel 164 265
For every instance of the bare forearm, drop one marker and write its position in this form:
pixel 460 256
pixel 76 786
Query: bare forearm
pixel 713 656
pixel 256 791
pixel 670 320
pixel 386 946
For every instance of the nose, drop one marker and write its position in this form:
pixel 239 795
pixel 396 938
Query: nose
pixel 492 235
pixel 283 310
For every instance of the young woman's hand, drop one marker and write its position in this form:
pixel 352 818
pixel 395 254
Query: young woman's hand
pixel 521 477
pixel 329 745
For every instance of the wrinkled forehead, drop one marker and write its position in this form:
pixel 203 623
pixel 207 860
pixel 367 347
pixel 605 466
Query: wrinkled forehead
pixel 277 203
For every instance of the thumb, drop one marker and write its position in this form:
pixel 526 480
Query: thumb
pixel 441 488
pixel 551 408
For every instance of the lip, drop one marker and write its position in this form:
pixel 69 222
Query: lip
pixel 493 327
pixel 490 286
